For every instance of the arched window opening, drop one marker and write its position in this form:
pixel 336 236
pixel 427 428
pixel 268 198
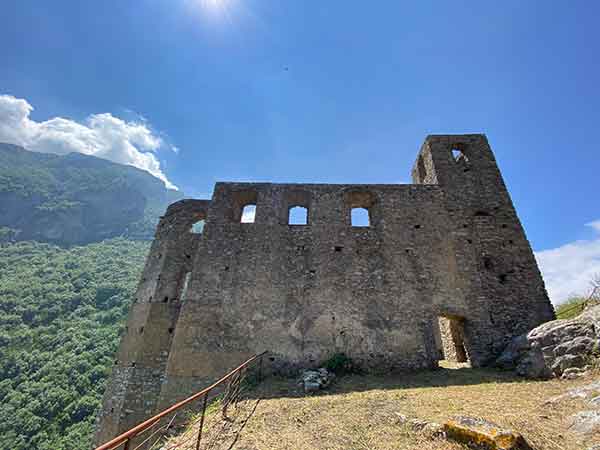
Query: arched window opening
pixel 362 208
pixel 360 217
pixel 298 215
pixel 248 214
pixel 244 205
pixel 198 227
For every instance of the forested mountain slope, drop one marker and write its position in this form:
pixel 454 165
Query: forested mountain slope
pixel 61 312
pixel 74 234
pixel 75 198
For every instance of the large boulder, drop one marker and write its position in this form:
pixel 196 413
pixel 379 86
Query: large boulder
pixel 555 348
pixel 585 422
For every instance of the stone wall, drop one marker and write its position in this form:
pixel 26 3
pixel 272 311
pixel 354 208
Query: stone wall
pixel 139 371
pixel 449 245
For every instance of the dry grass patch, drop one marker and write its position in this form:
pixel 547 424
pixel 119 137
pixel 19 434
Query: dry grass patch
pixel 362 412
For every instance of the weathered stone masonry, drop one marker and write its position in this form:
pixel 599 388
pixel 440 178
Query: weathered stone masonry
pixel 448 246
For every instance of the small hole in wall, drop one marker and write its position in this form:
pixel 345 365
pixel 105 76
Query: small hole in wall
pixel 112 410
pixel 188 256
pixel 166 300
pixel 417 226
pixel 116 362
pixel 338 248
pixel 504 225
pixel 510 241
pixel 141 330
pixel 467 170
pixel 271 358
pixel 502 278
pixel 465 225
pixel 470 241
pixel 171 330
pixel 226 268
pixel 133 364
pixel 150 299
pixel 487 262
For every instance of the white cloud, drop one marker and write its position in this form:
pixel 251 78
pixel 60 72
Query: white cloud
pixel 595 225
pixel 568 269
pixel 101 135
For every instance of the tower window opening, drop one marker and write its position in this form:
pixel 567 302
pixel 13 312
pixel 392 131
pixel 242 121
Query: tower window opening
pixel 198 227
pixel 298 215
pixel 360 217
pixel 248 214
pixel 458 155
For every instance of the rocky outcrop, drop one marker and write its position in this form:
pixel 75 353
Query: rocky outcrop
pixel 483 434
pixel 557 348
pixel 586 421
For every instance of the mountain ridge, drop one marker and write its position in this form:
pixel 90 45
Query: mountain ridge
pixel 76 199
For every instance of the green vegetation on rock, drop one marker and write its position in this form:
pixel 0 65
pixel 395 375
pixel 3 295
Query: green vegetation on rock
pixel 61 312
pixel 571 308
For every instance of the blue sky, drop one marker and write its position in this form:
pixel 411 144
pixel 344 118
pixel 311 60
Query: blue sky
pixel 203 90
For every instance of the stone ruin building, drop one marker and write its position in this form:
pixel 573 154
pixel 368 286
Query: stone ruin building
pixel 442 269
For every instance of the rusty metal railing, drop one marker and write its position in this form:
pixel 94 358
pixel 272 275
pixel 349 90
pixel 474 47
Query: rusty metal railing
pixel 148 434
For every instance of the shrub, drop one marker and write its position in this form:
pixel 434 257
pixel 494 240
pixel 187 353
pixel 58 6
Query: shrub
pixel 340 364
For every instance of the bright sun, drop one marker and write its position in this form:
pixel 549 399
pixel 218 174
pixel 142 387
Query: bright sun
pixel 217 10
pixel 213 4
